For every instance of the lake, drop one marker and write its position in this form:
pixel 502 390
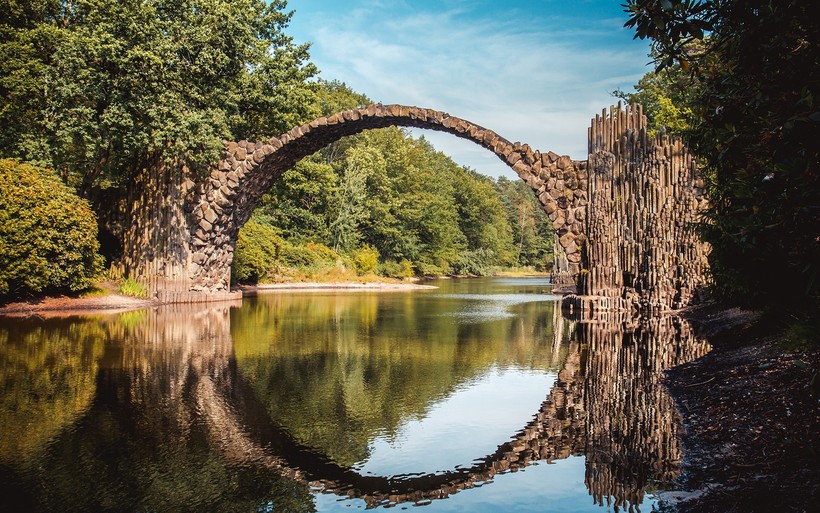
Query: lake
pixel 476 396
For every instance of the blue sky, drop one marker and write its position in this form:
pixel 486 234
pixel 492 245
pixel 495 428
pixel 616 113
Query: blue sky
pixel 533 71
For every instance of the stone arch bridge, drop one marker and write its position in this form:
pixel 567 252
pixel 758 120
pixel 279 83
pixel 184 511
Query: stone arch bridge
pixel 622 219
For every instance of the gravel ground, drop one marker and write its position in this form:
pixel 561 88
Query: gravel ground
pixel 751 418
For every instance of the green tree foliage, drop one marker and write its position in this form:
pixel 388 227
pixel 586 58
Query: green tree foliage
pixel 350 200
pixel 257 250
pixel 298 203
pixel 100 90
pixel 756 67
pixel 532 234
pixel 48 236
pixel 667 96
pixel 416 209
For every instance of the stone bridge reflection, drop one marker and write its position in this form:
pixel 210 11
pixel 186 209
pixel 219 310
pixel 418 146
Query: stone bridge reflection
pixel 607 404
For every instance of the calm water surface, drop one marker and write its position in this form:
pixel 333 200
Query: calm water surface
pixel 477 396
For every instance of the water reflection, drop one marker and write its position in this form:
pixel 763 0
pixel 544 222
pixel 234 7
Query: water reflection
pixel 230 408
pixel 632 429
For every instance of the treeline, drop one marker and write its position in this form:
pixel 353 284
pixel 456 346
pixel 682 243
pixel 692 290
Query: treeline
pixel 383 202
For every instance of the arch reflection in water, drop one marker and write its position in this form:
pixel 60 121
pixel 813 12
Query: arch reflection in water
pixel 183 412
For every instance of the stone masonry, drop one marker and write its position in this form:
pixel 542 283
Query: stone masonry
pixel 225 201
pixel 623 219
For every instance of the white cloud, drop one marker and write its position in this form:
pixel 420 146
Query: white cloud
pixel 537 80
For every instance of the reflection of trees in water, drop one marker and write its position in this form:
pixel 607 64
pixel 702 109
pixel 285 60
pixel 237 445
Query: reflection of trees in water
pixel 336 371
pixel 150 439
pixel 164 416
pixel 48 370
pixel 632 428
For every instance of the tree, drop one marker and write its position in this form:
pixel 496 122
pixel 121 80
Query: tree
pixel 667 96
pixel 532 234
pixel 756 127
pixel 350 201
pixel 135 97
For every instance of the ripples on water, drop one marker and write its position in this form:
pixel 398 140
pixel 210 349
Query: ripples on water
pixel 478 396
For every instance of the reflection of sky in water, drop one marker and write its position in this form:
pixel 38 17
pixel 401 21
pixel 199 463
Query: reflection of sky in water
pixel 469 424
pixel 492 307
pixel 555 488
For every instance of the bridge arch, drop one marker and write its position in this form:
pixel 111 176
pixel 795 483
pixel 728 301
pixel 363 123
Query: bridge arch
pixel 248 169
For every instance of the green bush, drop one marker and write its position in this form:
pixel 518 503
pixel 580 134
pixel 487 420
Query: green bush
pixel 257 249
pixel 365 259
pixel 133 288
pixel 261 253
pixel 48 235
pixel 310 256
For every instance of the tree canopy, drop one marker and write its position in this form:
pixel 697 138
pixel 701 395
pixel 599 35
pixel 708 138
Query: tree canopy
pixel 753 70
pixel 100 90
pixel 128 100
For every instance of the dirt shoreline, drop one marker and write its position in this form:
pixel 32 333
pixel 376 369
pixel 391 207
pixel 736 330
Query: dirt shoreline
pixel 751 420
pixel 55 306
pixel 111 302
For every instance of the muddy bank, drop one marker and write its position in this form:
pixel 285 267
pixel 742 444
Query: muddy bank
pixel 751 420
pixel 67 305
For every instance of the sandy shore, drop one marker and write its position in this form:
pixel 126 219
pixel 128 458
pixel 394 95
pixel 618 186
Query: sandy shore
pixel 65 305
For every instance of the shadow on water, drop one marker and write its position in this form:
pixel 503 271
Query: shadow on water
pixel 259 406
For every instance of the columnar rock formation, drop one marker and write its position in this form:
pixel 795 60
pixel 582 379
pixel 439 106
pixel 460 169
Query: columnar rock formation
pixel 632 432
pixel 645 196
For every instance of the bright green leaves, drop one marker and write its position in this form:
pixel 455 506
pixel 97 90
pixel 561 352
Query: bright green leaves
pixel 386 195
pixel 349 211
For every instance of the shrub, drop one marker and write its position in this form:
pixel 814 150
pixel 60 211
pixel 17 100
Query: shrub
pixel 133 288
pixel 48 235
pixel 323 253
pixel 393 269
pixel 365 259
pixel 257 248
pixel 426 268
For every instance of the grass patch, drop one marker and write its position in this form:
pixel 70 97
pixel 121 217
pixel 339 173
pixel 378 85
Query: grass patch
pixel 133 288
pixel 95 291
pixel 801 334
